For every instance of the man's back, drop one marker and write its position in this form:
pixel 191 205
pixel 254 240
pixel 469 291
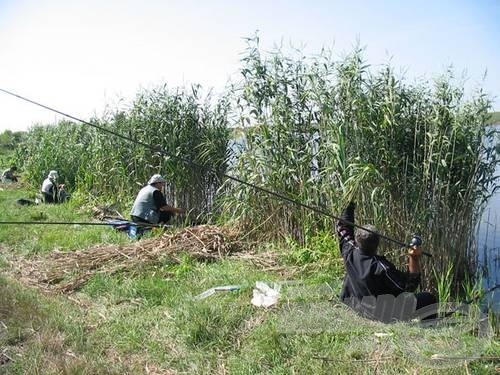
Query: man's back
pixel 373 275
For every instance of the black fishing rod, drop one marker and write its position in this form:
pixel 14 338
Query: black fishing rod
pixel 471 300
pixel 487 291
pixel 159 150
pixel 142 225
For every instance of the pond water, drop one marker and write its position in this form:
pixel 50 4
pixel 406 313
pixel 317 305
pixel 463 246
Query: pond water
pixel 488 246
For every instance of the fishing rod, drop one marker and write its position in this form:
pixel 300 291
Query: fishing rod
pixel 487 291
pixel 159 150
pixel 143 225
pixel 470 300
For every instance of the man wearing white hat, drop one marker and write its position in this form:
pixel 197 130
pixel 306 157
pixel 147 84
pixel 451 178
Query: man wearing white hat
pixel 50 188
pixel 150 205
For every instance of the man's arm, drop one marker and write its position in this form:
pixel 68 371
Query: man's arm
pixel 402 281
pixel 394 280
pixel 346 231
pixel 172 209
pixel 161 203
pixel 414 262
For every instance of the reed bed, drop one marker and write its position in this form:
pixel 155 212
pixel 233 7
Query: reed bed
pixel 179 125
pixel 415 157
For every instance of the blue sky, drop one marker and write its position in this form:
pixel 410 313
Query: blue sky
pixel 79 56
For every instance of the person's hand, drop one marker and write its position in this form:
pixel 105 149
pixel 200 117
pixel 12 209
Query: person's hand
pixel 415 252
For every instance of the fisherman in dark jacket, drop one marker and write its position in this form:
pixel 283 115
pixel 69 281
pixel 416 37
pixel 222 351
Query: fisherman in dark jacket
pixel 372 285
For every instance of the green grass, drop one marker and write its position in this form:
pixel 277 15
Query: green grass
pixel 40 238
pixel 146 320
pixel 46 335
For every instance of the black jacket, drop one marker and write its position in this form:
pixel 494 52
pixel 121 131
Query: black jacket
pixel 368 276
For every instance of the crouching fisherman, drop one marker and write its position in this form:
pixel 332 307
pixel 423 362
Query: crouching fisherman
pixel 150 205
pixel 373 286
pixel 52 192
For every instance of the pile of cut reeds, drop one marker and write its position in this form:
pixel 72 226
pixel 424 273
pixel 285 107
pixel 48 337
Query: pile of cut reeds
pixel 69 271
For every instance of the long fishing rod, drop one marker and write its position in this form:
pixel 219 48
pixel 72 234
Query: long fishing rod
pixel 487 291
pixel 144 225
pixel 471 300
pixel 189 162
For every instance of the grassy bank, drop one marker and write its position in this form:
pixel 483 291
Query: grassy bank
pixel 145 320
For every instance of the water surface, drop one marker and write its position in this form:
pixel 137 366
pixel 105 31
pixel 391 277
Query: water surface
pixel 488 246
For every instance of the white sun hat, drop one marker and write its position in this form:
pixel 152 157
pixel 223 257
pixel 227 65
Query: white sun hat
pixel 156 178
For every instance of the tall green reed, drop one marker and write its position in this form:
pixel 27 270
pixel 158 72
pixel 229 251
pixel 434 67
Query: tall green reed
pixel 324 132
pixel 187 131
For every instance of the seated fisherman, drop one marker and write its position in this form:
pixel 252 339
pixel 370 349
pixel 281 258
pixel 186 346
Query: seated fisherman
pixel 372 285
pixel 8 175
pixel 150 205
